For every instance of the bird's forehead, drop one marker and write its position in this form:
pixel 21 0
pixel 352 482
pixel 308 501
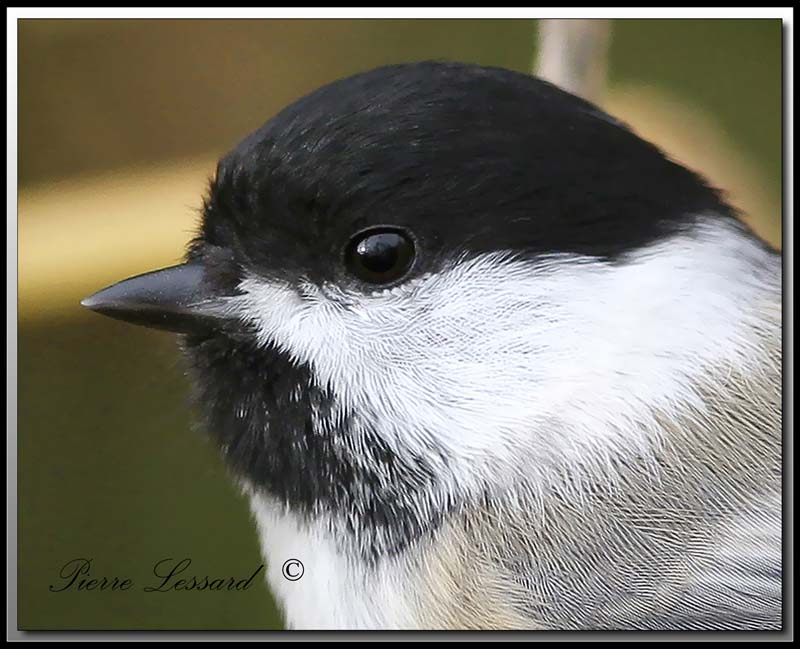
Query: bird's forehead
pixel 469 159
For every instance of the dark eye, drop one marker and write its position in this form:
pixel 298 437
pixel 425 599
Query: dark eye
pixel 380 255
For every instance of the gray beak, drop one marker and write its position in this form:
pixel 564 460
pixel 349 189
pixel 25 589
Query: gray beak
pixel 175 298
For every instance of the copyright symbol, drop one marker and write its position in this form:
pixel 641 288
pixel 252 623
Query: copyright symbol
pixel 292 570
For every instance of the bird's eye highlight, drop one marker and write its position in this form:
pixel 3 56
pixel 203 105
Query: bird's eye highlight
pixel 380 255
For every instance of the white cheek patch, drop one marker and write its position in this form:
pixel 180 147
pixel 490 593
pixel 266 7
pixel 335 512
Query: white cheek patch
pixel 499 361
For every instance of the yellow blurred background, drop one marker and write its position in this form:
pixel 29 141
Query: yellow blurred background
pixel 120 125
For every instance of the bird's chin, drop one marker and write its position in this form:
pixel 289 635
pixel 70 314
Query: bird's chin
pixel 288 438
pixel 258 406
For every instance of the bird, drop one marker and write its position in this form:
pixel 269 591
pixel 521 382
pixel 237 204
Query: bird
pixel 480 357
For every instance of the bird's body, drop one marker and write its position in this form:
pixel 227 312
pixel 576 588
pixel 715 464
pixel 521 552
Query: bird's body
pixel 681 530
pixel 482 358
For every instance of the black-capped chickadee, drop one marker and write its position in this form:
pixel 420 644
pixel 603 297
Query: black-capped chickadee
pixel 483 358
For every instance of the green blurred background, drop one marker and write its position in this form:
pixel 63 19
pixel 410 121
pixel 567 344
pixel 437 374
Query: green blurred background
pixel 120 123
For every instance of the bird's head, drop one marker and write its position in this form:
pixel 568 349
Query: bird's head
pixel 415 285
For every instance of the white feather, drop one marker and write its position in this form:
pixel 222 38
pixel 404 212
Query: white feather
pixel 495 366
pixel 336 591
pixel 483 358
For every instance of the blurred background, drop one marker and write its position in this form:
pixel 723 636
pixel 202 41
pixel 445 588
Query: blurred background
pixel 120 125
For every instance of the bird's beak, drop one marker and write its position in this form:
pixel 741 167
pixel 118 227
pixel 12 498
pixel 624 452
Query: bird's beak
pixel 175 298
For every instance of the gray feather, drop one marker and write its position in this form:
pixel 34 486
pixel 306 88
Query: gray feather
pixel 688 541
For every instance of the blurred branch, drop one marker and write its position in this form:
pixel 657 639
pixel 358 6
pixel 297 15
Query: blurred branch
pixel 573 54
